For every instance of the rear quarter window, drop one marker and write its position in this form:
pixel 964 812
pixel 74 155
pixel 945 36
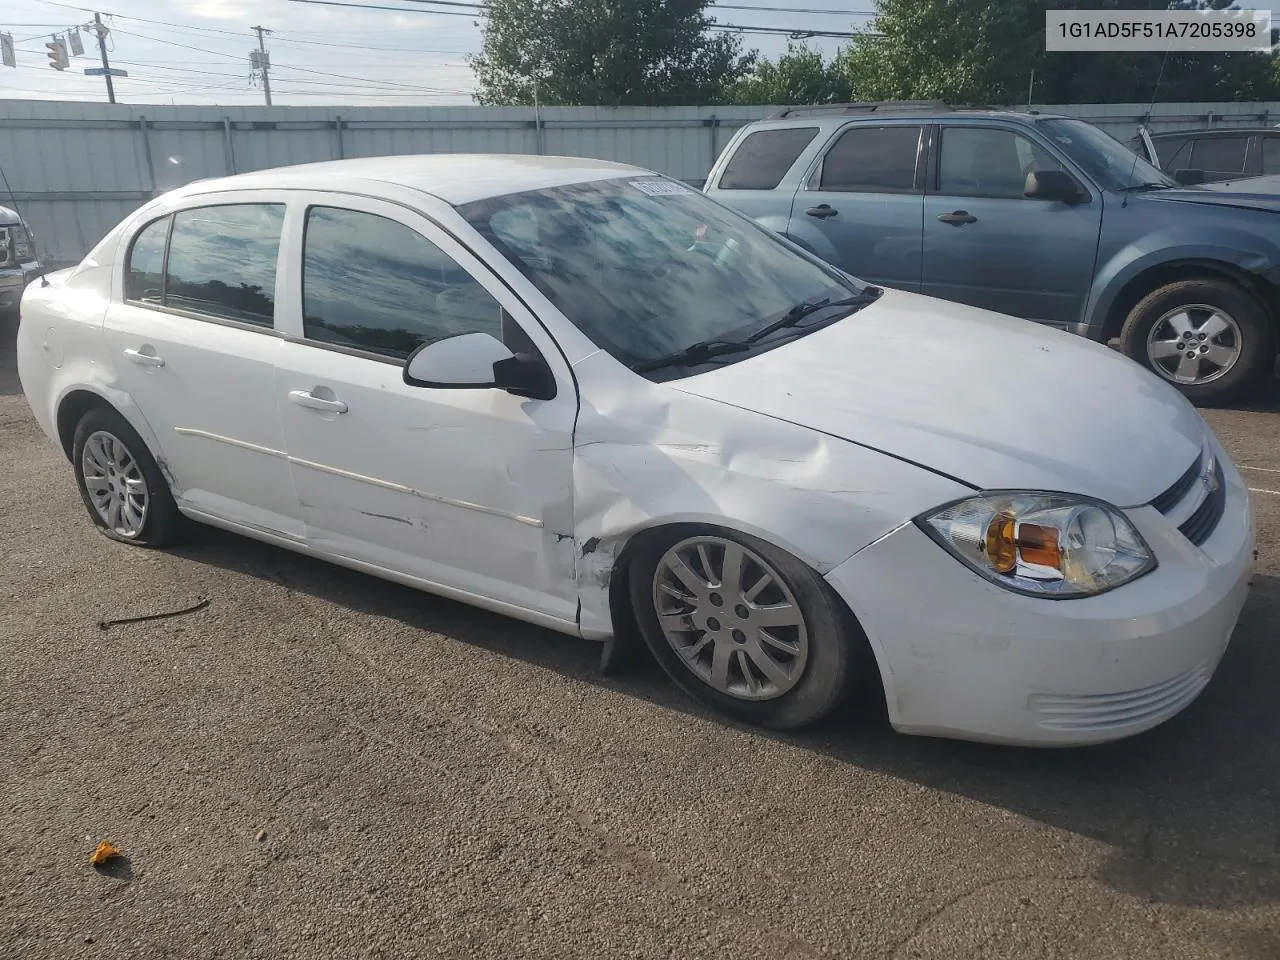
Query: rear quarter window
pixel 764 157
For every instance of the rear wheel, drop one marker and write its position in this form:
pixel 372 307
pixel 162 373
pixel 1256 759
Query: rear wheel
pixel 121 485
pixel 1210 338
pixel 745 627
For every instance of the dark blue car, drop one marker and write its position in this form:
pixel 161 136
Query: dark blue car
pixel 1042 217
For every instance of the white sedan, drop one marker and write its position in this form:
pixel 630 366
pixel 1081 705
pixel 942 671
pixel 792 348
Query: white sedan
pixel 590 397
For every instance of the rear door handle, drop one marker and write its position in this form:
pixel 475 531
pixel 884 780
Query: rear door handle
pixel 959 218
pixel 822 211
pixel 144 359
pixel 309 400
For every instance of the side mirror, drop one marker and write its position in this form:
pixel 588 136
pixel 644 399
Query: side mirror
pixel 1189 178
pixel 478 361
pixel 1051 185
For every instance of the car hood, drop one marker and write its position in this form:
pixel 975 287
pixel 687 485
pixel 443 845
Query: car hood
pixel 990 400
pixel 1255 193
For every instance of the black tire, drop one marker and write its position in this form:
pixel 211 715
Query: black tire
pixel 163 524
pixel 839 658
pixel 1257 336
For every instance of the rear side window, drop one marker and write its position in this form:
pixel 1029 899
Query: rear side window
pixel 144 279
pixel 374 284
pixel 872 160
pixel 1225 154
pixel 222 261
pixel 764 157
pixel 1270 154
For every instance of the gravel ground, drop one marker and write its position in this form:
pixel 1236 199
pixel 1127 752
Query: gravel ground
pixel 321 764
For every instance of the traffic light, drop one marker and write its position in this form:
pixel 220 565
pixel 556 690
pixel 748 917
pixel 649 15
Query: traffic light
pixel 57 54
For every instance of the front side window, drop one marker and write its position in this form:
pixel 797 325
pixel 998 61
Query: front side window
pixel 372 283
pixel 646 267
pixel 144 276
pixel 872 160
pixel 1175 152
pixel 985 162
pixel 764 157
pixel 222 261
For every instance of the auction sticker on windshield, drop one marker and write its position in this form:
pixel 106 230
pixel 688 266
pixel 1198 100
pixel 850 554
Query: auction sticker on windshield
pixel 659 187
pixel 1158 30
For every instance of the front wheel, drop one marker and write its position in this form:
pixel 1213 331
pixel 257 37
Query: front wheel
pixel 1209 338
pixel 121 485
pixel 744 627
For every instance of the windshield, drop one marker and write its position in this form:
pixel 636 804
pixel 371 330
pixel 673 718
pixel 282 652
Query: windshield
pixel 1102 156
pixel 647 267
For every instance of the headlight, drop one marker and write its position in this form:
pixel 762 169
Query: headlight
pixel 1043 544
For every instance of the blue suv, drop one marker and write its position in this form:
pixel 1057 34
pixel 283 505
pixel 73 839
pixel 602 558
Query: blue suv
pixel 1043 217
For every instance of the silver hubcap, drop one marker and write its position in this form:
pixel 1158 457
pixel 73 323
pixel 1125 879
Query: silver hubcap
pixel 116 487
pixel 1194 344
pixel 731 618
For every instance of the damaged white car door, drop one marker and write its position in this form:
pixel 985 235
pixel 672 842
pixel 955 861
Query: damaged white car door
pixel 467 489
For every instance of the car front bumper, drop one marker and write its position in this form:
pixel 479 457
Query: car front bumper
pixel 961 657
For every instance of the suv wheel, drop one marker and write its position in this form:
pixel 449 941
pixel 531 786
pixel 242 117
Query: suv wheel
pixel 1211 339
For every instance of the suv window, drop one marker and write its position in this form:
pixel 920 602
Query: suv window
pixel 872 160
pixel 1270 154
pixel 374 284
pixel 1220 153
pixel 984 162
pixel 764 157
pixel 222 261
pixel 1174 152
pixel 144 278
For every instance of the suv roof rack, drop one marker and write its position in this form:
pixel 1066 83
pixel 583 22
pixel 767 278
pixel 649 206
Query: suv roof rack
pixel 869 106
pixel 877 106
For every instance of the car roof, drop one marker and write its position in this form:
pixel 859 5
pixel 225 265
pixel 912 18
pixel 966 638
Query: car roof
pixel 455 178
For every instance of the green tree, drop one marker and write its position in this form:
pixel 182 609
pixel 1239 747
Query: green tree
pixel 984 51
pixel 800 76
pixel 606 52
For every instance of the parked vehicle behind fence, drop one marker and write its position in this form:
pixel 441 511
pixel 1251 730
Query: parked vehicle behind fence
pixel 1043 217
pixel 18 263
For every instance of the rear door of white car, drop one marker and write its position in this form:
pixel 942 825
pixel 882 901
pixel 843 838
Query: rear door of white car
pixel 469 489
pixel 191 336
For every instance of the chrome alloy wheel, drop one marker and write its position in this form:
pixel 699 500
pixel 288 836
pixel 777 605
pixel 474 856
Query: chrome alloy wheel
pixel 731 618
pixel 1195 343
pixel 117 489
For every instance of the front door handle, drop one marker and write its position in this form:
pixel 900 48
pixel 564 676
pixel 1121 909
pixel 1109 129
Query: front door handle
pixel 304 398
pixel 958 218
pixel 142 359
pixel 822 211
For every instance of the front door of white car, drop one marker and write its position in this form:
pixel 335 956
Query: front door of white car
pixel 469 489
pixel 191 338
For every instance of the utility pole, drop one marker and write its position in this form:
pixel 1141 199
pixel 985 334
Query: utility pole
pixel 264 63
pixel 101 31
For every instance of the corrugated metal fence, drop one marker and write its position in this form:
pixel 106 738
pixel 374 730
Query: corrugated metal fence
pixel 77 169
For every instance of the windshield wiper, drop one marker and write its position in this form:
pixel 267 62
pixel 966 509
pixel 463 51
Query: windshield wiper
pixel 1148 185
pixel 699 352
pixel 802 310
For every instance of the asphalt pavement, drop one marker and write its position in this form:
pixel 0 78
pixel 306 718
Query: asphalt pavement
pixel 321 764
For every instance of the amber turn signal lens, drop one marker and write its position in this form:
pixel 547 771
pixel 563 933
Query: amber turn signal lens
pixel 1007 540
pixel 1002 550
pixel 1039 545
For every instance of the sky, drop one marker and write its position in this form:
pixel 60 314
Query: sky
pixel 197 51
